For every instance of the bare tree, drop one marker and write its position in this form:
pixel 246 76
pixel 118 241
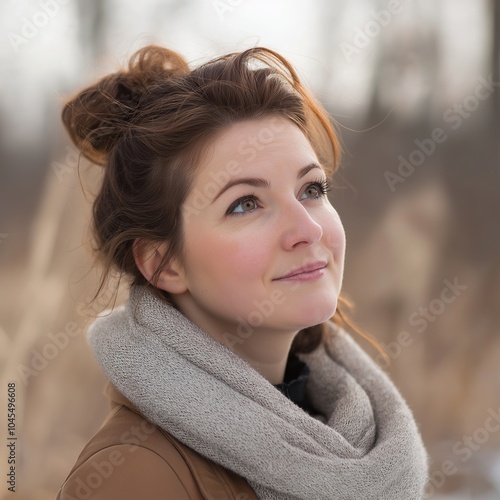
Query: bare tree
pixel 495 61
pixel 93 19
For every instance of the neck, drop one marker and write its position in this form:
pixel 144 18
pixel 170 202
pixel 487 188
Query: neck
pixel 263 349
pixel 267 352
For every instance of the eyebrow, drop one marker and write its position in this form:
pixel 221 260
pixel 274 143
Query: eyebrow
pixel 259 182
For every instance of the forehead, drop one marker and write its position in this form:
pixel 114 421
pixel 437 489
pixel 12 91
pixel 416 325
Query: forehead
pixel 251 144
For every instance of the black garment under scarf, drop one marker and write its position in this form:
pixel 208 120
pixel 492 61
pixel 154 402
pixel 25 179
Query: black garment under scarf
pixel 295 382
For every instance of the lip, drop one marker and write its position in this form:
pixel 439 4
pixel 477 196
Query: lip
pixel 312 271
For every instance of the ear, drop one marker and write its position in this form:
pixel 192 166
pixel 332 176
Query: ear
pixel 148 257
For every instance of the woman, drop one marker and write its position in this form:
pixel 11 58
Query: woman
pixel 227 376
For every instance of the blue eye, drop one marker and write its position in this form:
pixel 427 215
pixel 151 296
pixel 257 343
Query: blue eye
pixel 319 188
pixel 244 205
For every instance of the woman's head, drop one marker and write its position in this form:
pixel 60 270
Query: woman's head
pixel 155 126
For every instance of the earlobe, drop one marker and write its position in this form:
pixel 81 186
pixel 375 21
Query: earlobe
pixel 148 257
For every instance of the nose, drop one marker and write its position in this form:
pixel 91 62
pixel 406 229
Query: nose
pixel 298 226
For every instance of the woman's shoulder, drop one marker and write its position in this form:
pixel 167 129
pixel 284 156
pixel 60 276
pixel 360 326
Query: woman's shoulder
pixel 129 457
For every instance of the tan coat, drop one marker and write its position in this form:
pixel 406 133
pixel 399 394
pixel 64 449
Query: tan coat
pixel 130 458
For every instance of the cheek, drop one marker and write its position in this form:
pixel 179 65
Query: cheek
pixel 334 234
pixel 219 257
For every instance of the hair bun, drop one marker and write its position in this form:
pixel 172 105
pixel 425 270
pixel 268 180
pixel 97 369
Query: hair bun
pixel 98 115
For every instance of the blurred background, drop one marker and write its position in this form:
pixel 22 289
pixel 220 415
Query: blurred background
pixel 414 88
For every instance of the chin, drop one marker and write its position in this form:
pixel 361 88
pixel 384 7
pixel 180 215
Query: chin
pixel 318 313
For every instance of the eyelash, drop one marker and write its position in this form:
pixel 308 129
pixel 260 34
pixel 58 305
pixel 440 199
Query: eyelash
pixel 323 186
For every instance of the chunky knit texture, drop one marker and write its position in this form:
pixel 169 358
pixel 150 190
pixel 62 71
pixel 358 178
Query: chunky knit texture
pixel 362 444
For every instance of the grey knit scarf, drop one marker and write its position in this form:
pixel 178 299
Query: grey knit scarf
pixel 362 444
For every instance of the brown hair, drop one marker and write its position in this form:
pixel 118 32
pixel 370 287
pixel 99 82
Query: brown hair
pixel 149 126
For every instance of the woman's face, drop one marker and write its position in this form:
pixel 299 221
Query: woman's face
pixel 257 212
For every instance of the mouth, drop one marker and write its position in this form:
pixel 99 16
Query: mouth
pixel 314 269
